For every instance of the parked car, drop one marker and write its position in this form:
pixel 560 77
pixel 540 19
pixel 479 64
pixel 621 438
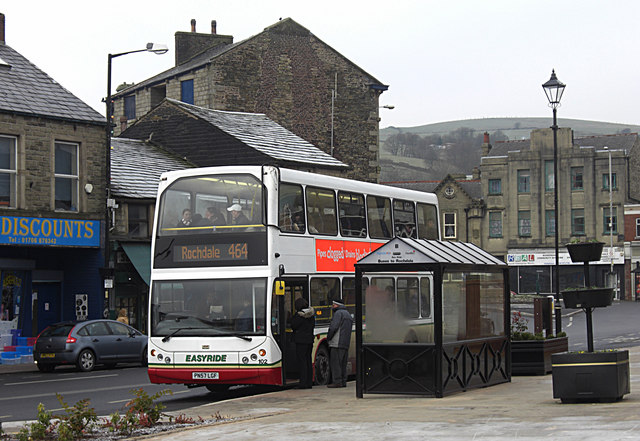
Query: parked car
pixel 89 343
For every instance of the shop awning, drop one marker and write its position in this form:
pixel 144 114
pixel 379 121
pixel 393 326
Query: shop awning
pixel 140 255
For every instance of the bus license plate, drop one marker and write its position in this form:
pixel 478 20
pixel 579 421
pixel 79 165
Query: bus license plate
pixel 205 376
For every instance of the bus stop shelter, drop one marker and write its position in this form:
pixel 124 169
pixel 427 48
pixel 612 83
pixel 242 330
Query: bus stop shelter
pixel 432 318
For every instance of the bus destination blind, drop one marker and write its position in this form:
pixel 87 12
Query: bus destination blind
pixel 219 252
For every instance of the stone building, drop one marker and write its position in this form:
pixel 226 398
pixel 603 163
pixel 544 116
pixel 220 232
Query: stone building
pixel 284 72
pixel 518 185
pixel 52 196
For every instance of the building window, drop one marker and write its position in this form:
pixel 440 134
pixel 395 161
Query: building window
pixel 449 225
pixel 577 222
pixel 495 186
pixel 550 222
pixel 186 91
pixel 576 178
pixel 610 221
pixel 66 176
pixel 130 107
pixel 605 181
pixel 549 176
pixel 138 220
pixel 8 171
pixel 524 185
pixel 638 227
pixel 495 224
pixel 524 223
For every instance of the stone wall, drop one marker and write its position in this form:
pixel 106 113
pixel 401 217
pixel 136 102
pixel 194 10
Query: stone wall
pixel 36 138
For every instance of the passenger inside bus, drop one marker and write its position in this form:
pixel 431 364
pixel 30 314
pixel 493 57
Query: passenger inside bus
pixel 237 217
pixel 186 220
pixel 213 217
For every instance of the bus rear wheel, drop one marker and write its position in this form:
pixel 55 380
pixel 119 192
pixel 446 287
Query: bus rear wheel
pixel 217 388
pixel 322 366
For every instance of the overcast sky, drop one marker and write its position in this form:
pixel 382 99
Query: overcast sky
pixel 442 60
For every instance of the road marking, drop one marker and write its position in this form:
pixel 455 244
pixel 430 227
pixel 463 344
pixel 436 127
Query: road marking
pixel 59 379
pixel 6 416
pixel 81 391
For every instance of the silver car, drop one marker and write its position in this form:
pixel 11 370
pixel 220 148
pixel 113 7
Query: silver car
pixel 88 343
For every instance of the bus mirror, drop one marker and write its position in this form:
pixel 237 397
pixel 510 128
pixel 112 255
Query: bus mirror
pixel 279 287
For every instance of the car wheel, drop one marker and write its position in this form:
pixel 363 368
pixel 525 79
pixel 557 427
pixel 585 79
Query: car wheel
pixel 46 367
pixel 145 359
pixel 321 366
pixel 218 387
pixel 86 360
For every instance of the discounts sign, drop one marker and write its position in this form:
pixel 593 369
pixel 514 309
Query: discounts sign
pixel 341 255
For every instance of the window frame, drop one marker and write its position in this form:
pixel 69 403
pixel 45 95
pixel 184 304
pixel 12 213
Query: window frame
pixel 138 221
pixel 446 224
pixel 637 227
pixel 524 181
pixel 12 173
pixel 574 178
pixel 575 216
pixel 322 228
pixel 614 220
pixel 347 201
pixel 605 181
pixel 549 220
pixel 61 177
pixel 385 221
pixel 521 219
pixel 495 183
pixel 549 175
pixel 187 90
pixel 492 220
pixel 130 107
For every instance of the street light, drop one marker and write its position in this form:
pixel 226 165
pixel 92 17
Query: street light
pixel 554 89
pixel 155 48
pixel 388 106
pixel 611 218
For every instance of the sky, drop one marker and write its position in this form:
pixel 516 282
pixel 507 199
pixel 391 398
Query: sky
pixel 442 60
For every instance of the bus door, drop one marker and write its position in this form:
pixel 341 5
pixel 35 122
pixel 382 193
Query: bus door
pixel 282 311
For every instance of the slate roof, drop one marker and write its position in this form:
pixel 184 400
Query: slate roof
pixel 27 90
pixel 259 132
pixel 208 56
pixel 624 141
pixel 136 167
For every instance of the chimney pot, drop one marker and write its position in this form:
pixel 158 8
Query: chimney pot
pixel 193 25
pixel 213 27
pixel 486 137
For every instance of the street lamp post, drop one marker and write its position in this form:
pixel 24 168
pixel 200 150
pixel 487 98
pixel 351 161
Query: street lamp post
pixel 611 219
pixel 156 49
pixel 554 89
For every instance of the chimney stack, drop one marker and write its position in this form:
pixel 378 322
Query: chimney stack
pixel 190 44
pixel 1 28
pixel 486 145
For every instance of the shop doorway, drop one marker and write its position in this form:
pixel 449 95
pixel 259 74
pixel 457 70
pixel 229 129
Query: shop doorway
pixel 46 302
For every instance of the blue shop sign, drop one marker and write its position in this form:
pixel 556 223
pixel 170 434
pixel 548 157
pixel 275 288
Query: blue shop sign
pixel 49 231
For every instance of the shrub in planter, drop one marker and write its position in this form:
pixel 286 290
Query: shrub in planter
pixel 531 353
pixel 591 376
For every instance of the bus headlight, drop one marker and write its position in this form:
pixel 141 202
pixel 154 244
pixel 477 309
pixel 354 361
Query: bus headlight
pixel 160 357
pixel 254 357
pixel 245 360
pixel 167 360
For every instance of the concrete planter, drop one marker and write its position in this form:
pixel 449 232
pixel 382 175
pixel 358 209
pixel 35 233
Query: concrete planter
pixel 590 376
pixel 533 357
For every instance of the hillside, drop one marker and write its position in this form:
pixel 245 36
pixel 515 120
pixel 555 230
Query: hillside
pixel 514 128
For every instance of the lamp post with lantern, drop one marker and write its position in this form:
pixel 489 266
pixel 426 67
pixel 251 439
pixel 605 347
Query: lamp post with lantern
pixel 554 90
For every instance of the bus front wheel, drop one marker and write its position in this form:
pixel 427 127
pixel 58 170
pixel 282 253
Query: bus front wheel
pixel 322 369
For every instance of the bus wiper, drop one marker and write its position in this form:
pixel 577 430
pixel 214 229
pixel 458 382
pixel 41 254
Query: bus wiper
pixel 234 334
pixel 166 338
pixel 166 251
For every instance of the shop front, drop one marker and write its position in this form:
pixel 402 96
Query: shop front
pixel 532 271
pixel 48 272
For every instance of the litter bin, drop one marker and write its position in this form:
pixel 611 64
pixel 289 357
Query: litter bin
pixel 542 308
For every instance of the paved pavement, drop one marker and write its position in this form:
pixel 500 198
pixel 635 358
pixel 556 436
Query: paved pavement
pixel 523 409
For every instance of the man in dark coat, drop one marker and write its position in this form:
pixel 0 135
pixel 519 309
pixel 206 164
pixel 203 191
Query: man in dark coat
pixel 339 336
pixel 303 323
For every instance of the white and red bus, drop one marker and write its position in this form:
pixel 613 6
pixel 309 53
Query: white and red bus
pixel 216 318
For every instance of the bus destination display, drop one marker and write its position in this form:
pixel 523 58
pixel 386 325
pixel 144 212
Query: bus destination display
pixel 211 252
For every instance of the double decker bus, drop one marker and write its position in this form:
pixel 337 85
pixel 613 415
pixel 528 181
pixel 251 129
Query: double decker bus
pixel 233 247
